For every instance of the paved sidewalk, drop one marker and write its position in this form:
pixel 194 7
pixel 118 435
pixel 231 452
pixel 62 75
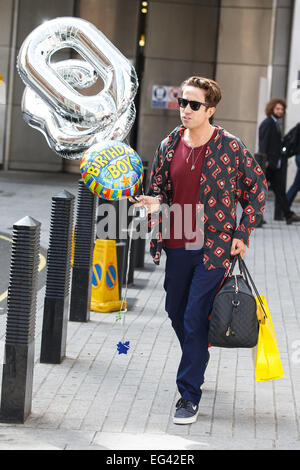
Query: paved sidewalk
pixel 97 399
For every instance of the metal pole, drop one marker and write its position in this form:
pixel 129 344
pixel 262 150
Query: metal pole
pixel 83 255
pixel 16 397
pixel 56 305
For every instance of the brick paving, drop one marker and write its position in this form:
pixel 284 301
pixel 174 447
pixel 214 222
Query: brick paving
pixel 97 399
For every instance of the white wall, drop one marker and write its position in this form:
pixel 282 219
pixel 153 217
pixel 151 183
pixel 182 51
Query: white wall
pixel 6 8
pixel 293 94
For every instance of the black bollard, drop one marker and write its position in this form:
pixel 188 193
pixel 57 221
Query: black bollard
pixel 130 280
pixel 121 252
pixel 17 380
pixel 83 255
pixel 56 304
pixel 139 259
pixel 140 243
pixel 123 228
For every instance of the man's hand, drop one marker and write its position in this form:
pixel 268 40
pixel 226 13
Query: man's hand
pixel 152 204
pixel 238 247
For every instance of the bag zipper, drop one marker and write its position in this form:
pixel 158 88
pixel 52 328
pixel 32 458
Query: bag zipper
pixel 235 304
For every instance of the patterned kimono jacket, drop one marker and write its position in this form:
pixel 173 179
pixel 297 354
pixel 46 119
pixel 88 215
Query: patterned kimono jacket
pixel 230 175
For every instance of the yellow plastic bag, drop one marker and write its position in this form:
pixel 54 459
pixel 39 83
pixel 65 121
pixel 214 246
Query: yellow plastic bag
pixel 267 364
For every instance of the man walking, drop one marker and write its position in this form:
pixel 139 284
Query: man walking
pixel 270 143
pixel 200 165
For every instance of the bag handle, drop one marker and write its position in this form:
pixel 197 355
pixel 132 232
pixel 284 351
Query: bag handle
pixel 244 267
pixel 233 266
pixel 242 271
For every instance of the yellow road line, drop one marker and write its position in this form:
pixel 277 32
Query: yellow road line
pixel 42 264
pixel 5 238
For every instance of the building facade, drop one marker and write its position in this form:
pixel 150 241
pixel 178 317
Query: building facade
pixel 243 44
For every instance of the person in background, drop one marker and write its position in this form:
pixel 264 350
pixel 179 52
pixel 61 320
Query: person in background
pixel 292 143
pixel 295 187
pixel 270 143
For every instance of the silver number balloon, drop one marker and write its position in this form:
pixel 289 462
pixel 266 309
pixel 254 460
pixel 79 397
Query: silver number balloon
pixel 78 73
pixel 70 121
pixel 124 123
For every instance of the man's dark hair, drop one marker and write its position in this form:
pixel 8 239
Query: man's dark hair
pixel 212 89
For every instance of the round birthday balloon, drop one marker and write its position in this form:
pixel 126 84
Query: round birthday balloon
pixel 112 169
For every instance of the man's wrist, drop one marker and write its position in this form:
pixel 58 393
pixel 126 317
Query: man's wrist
pixel 239 235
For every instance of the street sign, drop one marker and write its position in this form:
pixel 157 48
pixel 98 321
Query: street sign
pixel 165 97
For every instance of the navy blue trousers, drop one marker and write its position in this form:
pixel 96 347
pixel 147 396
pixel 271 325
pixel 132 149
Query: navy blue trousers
pixel 190 292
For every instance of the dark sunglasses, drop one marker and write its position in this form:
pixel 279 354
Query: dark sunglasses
pixel 195 105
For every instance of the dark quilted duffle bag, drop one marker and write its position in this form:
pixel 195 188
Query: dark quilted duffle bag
pixel 234 321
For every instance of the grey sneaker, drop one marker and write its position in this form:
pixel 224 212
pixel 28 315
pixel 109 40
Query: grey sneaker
pixel 186 412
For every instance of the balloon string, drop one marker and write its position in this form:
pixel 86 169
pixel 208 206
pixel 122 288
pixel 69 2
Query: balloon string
pixel 124 299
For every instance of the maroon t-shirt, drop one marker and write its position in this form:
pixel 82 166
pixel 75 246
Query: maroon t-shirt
pixel 186 189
